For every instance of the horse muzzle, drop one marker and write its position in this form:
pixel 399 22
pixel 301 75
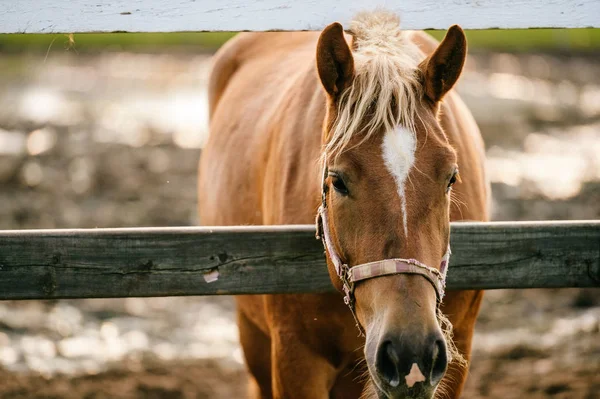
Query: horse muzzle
pixel 403 368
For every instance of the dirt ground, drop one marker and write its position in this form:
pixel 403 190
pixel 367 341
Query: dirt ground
pixel 198 380
pixel 534 344
pixel 113 140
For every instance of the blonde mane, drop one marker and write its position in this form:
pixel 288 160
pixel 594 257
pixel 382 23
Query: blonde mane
pixel 386 85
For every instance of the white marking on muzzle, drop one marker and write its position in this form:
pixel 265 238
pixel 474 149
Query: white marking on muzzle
pixel 414 376
pixel 399 148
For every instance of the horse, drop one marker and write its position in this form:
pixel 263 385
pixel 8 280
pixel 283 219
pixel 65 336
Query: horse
pixel 361 129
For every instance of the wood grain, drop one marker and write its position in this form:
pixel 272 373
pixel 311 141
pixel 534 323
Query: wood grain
pixel 51 16
pixel 44 264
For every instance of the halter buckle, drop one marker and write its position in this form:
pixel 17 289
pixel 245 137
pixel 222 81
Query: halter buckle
pixel 347 285
pixel 319 225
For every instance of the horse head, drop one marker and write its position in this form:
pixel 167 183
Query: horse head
pixel 388 176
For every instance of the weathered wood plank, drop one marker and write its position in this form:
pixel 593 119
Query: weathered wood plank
pixel 525 255
pixel 43 264
pixel 50 16
pixel 156 262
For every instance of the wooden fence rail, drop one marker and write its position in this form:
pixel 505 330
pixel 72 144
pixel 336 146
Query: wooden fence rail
pixel 44 264
pixel 51 16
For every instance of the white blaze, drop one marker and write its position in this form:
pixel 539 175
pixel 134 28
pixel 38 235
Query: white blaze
pixel 414 376
pixel 399 148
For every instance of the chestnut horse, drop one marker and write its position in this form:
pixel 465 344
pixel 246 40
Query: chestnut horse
pixel 354 124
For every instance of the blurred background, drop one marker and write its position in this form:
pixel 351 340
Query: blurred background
pixel 106 130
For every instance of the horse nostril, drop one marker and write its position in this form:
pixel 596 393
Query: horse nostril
pixel 404 364
pixel 440 361
pixel 387 364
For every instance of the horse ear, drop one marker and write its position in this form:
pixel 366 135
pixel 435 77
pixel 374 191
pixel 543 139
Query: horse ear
pixel 334 60
pixel 442 68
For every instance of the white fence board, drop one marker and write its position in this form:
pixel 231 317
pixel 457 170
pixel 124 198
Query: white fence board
pixel 53 16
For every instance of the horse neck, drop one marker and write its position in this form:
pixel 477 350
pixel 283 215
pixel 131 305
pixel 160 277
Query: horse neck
pixel 291 178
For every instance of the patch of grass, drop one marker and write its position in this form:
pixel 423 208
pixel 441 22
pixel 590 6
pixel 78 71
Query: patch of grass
pixel 516 40
pixel 519 40
pixel 88 42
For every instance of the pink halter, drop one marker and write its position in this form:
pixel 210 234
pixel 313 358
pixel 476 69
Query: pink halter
pixel 349 276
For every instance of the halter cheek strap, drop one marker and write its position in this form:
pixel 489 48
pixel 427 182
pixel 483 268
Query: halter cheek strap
pixel 349 276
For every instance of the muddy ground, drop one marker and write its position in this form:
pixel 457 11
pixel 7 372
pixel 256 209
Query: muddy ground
pixel 113 140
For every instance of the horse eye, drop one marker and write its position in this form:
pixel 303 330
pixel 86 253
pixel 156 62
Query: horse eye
pixel 455 178
pixel 338 185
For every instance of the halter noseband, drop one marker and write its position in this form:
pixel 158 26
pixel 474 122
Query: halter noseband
pixel 349 276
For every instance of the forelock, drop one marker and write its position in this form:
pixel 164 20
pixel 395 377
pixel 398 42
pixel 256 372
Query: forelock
pixel 386 85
